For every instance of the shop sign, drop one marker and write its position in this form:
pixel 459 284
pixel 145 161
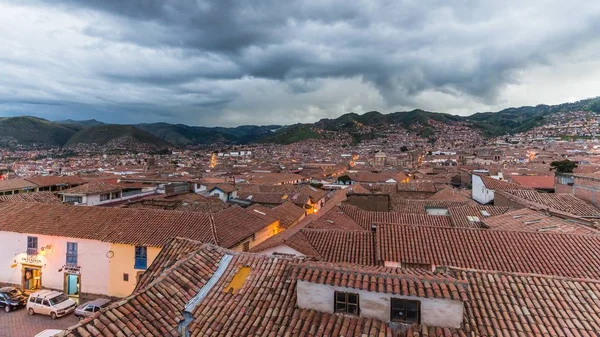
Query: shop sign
pixel 76 270
pixel 31 260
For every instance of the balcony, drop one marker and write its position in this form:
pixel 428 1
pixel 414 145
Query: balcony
pixel 32 251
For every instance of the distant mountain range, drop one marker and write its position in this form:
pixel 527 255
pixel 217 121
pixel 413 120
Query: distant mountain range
pixel 28 130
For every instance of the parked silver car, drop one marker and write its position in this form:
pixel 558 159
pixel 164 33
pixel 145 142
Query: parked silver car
pixel 89 308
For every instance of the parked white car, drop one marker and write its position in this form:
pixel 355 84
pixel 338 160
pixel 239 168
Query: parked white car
pixel 51 303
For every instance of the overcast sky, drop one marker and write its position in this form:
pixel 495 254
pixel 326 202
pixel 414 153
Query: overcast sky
pixel 230 62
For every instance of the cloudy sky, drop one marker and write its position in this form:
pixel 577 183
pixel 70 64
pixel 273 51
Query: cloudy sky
pixel 230 62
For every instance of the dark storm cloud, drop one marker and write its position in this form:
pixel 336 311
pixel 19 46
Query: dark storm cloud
pixel 199 54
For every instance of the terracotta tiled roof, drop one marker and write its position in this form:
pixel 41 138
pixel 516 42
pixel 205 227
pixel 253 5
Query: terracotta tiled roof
pixel 116 225
pixel 302 192
pixel 56 180
pixel 336 246
pixel 559 201
pixel 265 305
pixel 524 252
pixel 227 188
pixel 495 184
pixel 175 250
pixel 264 198
pixel 367 218
pixel 420 206
pixel 472 216
pixel 399 282
pixel 371 177
pixel 537 182
pixel 235 224
pixel 450 194
pixel 93 188
pixel 507 304
pixel 15 184
pixel 189 202
pixel 335 218
pixel 273 178
pixel 532 221
pixel 287 214
pixel 416 187
pixel 358 189
pixel 37 197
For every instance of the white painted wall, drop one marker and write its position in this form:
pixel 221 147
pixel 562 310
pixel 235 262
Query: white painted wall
pixel 220 194
pixel 94 199
pixel 479 192
pixel 281 249
pixel 434 312
pixel 91 257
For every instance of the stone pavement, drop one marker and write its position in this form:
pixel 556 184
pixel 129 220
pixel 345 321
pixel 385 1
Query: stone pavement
pixel 18 324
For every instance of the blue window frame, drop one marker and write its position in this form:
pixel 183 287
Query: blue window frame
pixel 32 245
pixel 141 257
pixel 72 253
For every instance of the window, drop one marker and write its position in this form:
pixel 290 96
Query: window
pixel 73 199
pixel 126 277
pixel 346 303
pixel 141 257
pixel 115 195
pixel 246 246
pixel 405 310
pixel 45 303
pixel 104 197
pixel 72 253
pixel 32 245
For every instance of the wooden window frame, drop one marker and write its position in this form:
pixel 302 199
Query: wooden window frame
pixel 346 303
pixel 405 311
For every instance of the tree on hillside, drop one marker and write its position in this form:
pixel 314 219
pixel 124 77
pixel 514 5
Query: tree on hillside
pixel 403 148
pixel 563 166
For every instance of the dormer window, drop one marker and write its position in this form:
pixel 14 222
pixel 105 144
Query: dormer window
pixel 405 311
pixel 346 303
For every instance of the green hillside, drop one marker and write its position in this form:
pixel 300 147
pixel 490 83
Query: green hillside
pixel 28 130
pixel 103 134
pixel 294 133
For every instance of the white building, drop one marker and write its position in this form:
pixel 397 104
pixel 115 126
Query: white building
pixel 100 193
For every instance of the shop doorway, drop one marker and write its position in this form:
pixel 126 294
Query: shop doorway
pixel 32 278
pixel 72 284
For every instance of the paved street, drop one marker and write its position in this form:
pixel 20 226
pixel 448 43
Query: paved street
pixel 19 324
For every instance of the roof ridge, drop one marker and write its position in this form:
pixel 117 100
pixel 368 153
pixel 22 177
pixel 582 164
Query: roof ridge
pixel 499 272
pixel 434 278
pixel 213 229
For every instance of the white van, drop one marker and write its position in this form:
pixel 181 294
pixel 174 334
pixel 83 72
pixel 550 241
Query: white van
pixel 49 302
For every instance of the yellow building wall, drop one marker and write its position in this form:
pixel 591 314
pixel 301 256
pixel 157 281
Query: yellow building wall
pixel 260 236
pixel 123 262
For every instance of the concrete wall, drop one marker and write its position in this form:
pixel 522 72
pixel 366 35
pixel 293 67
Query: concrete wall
pixel 434 312
pixel 281 249
pixel 480 193
pixel 91 258
pixel 123 262
pixel 220 194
